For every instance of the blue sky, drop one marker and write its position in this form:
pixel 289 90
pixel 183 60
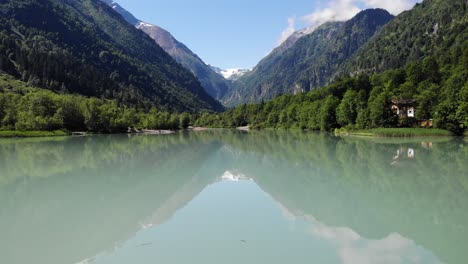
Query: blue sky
pixel 237 34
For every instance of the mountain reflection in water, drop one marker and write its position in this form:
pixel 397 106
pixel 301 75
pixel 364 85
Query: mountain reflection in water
pixel 371 200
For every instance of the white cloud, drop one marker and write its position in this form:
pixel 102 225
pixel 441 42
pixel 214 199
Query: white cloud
pixel 336 10
pixel 394 6
pixel 342 10
pixel 288 31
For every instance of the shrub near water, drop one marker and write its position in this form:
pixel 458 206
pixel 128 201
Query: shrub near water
pixel 14 134
pixel 402 132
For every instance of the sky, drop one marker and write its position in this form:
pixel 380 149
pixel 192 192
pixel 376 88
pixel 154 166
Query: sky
pixel 239 33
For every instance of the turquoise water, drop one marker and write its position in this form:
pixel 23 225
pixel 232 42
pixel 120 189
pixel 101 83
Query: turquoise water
pixel 232 197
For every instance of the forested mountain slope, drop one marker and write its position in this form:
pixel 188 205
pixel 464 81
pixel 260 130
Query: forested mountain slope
pixel 213 83
pixel 432 28
pixel 310 62
pixel 85 47
pixel 433 74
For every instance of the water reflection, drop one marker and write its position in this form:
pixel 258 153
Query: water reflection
pixel 351 183
pixel 352 248
pixel 65 200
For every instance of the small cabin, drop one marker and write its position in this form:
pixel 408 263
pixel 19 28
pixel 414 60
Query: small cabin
pixel 404 108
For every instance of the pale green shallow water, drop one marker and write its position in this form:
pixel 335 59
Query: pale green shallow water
pixel 231 197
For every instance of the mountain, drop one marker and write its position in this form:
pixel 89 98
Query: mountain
pixel 290 41
pixel 421 55
pixel 126 15
pixel 85 47
pixel 230 74
pixel 432 28
pixel 307 61
pixel 214 84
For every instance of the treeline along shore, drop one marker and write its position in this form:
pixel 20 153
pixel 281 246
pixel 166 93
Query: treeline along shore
pixel 30 111
pixel 357 104
pixel 438 96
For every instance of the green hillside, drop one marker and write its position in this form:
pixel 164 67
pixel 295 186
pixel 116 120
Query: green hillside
pixel 84 47
pixel 433 28
pixel 405 60
pixel 310 62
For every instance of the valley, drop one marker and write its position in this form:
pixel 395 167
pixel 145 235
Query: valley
pixel 341 74
pixel 175 132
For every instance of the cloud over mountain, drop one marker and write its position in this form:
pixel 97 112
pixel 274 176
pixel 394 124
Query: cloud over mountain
pixel 342 10
pixel 288 31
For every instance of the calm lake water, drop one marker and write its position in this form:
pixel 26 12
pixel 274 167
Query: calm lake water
pixel 232 197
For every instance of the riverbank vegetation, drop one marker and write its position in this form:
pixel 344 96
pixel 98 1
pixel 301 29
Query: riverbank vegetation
pixel 20 134
pixel 439 87
pixel 396 132
pixel 27 109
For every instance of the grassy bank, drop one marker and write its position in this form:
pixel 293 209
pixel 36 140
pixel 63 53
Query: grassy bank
pixel 22 134
pixel 397 132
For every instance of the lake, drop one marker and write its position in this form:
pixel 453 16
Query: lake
pixel 231 197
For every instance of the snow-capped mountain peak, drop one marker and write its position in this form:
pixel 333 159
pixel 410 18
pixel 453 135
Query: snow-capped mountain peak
pixel 233 73
pixel 230 74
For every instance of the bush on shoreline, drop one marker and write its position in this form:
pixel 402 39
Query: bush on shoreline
pixel 396 132
pixel 21 134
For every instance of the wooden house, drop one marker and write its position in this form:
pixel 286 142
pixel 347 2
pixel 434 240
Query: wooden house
pixel 404 108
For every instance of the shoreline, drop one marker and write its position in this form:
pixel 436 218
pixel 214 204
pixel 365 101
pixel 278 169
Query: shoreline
pixel 198 129
pixel 154 132
pixel 33 134
pixel 370 133
pixel 395 133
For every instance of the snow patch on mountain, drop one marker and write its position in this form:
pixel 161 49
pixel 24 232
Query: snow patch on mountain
pixel 144 24
pixel 230 74
pixel 233 73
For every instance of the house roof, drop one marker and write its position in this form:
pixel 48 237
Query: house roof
pixel 404 101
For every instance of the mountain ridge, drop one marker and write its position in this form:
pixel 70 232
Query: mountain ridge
pixel 213 84
pixel 405 39
pixel 85 47
pixel 311 60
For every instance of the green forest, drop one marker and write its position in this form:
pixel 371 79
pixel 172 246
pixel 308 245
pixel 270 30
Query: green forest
pixel 85 47
pixel 26 108
pixel 371 42
pixel 360 102
pixel 311 62
pixel 363 101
